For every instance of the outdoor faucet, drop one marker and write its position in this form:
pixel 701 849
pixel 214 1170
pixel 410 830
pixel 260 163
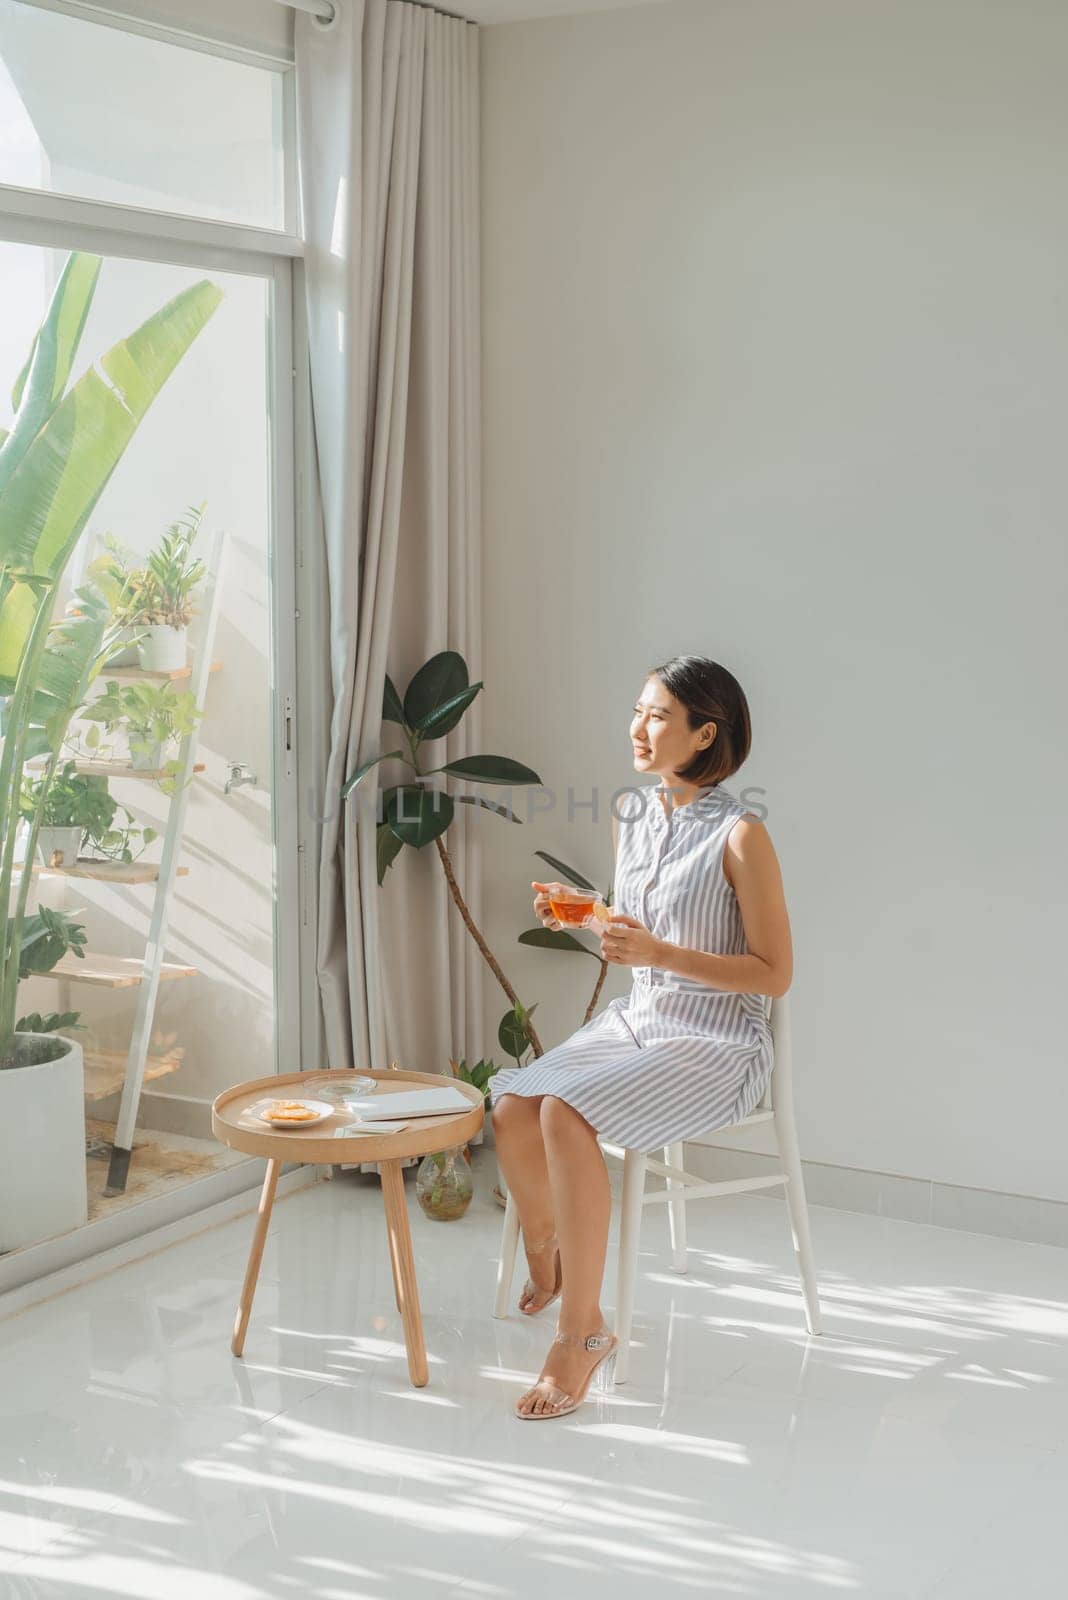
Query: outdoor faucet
pixel 239 774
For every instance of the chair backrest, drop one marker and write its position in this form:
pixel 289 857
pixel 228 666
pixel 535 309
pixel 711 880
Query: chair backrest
pixel 777 1011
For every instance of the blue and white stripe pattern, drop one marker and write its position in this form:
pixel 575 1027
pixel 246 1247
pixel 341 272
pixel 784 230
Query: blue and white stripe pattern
pixel 675 1058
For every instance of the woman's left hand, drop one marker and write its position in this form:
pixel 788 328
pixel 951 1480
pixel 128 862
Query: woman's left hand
pixel 625 943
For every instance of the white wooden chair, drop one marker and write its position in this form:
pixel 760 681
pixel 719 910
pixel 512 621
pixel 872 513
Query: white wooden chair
pixel 776 1108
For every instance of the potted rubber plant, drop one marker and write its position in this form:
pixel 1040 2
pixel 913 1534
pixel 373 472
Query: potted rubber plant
pixel 153 716
pixel 161 606
pixel 67 439
pixel 415 813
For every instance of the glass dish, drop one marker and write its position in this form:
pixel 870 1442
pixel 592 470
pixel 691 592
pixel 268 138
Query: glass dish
pixel 338 1090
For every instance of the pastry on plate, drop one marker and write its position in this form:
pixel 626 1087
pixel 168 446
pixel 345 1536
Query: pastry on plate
pixel 289 1111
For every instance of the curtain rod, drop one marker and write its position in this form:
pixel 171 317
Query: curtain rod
pixel 325 10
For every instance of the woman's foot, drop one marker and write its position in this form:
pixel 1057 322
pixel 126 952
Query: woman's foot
pixel 569 1368
pixel 546 1276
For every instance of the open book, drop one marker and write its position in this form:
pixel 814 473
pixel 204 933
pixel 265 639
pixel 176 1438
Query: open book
pixel 446 1101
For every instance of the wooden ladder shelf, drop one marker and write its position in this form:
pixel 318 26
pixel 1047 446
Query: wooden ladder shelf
pixel 145 974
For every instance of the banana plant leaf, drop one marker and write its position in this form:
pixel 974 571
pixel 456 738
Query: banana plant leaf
pixel 61 473
pixel 75 654
pixel 51 358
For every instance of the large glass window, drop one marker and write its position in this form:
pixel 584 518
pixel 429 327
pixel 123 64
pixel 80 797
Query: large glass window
pixel 197 469
pixel 101 114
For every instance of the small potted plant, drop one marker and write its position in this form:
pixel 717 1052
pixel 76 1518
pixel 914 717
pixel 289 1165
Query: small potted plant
pixel 76 810
pixel 153 715
pixel 443 1184
pixel 161 595
pixel 115 568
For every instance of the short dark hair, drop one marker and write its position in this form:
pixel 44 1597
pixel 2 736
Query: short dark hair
pixel 709 693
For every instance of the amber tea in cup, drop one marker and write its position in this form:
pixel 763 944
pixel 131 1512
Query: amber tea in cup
pixel 573 908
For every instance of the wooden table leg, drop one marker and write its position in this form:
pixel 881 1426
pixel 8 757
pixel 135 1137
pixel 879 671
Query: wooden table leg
pixel 255 1256
pixel 400 1250
pixel 398 1288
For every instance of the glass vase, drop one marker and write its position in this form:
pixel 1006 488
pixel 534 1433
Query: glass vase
pixel 443 1184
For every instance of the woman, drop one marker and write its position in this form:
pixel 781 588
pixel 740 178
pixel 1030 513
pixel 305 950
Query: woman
pixel 700 917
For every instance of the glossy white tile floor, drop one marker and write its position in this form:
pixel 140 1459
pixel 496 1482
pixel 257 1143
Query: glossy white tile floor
pixel 919 1448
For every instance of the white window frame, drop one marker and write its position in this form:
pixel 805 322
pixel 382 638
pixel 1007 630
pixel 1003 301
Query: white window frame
pixel 57 221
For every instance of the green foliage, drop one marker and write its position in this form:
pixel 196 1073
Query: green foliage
pixel 478 1075
pixel 416 814
pixel 152 713
pixel 115 567
pixel 514 1031
pixel 72 799
pixel 433 705
pixel 46 938
pixel 48 1021
pixel 65 444
pixel 161 594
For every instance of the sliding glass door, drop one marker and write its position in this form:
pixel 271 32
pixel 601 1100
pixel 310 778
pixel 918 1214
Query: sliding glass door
pixel 160 836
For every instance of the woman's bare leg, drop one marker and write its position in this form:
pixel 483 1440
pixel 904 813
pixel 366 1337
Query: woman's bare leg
pixel 521 1153
pixel 582 1202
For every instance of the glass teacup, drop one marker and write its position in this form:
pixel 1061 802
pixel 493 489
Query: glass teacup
pixel 577 908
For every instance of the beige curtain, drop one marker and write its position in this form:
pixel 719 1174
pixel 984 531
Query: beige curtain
pixel 388 117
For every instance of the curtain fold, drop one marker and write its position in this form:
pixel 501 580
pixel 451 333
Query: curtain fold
pixel 388 121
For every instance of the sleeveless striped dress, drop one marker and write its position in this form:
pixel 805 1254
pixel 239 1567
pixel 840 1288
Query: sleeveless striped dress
pixel 675 1058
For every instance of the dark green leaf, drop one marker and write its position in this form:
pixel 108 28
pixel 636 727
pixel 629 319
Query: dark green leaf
pixel 418 815
pixel 567 872
pixel 388 847
pixel 392 710
pixel 437 723
pixel 490 769
pixel 512 1035
pixel 362 771
pixel 554 939
pixel 46 938
pixel 487 805
pixel 440 679
pixel 49 1023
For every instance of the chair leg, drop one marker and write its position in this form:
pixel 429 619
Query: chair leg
pixel 506 1262
pixel 797 1207
pixel 675 1156
pixel 630 1222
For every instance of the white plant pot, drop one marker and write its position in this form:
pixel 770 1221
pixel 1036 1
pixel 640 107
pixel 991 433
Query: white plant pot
pixel 58 847
pixel 130 657
pixel 163 649
pixel 42 1143
pixel 150 760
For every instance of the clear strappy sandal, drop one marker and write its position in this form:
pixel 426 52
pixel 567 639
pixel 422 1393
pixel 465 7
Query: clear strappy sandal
pixel 530 1288
pixel 599 1375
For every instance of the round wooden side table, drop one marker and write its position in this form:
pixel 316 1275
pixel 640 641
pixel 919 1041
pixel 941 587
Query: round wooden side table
pixel 327 1144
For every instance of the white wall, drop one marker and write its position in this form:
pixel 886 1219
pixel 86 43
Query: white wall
pixel 776 369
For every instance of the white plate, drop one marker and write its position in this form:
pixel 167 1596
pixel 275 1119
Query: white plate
pixel 323 1108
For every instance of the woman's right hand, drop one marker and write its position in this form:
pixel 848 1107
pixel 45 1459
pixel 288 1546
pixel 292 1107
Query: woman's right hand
pixel 542 908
